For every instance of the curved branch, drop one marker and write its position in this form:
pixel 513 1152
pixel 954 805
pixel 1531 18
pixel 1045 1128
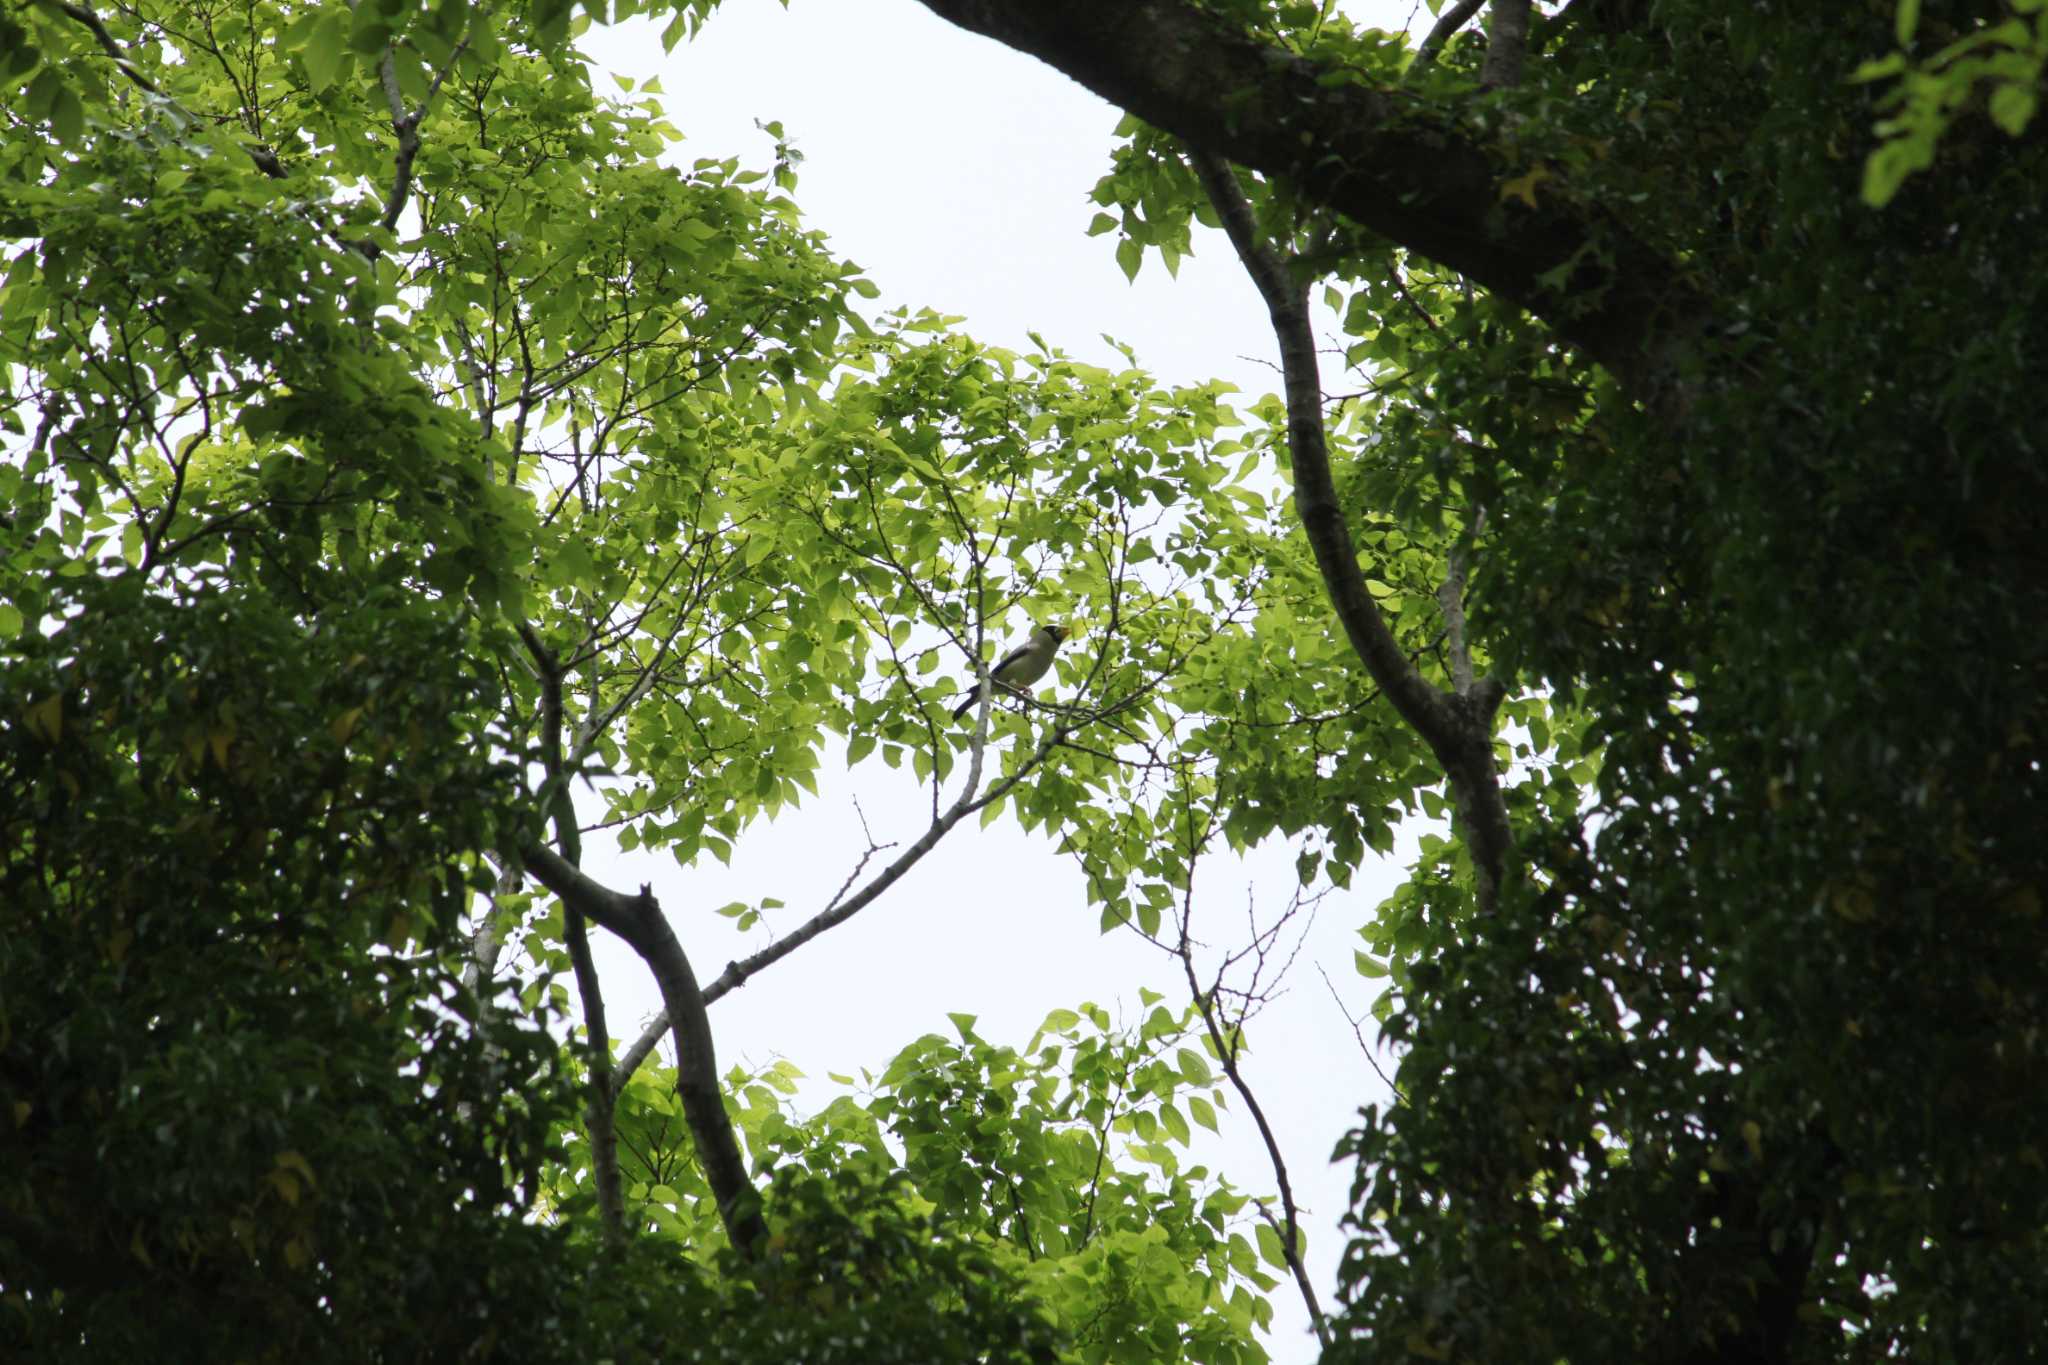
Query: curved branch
pixel 1411 170
pixel 1457 728
pixel 639 921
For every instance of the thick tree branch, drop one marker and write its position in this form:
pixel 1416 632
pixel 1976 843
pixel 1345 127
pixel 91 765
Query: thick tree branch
pixel 639 921
pixel 1450 596
pixel 1449 22
pixel 1412 171
pixel 1507 43
pixel 1457 728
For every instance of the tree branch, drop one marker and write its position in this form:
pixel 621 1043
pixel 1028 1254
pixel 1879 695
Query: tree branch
pixel 265 159
pixel 1447 23
pixel 737 974
pixel 1450 596
pixel 1409 170
pixel 1507 43
pixel 1227 1043
pixel 639 921
pixel 604 1139
pixel 1457 728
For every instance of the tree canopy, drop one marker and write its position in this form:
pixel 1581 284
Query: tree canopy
pixel 409 470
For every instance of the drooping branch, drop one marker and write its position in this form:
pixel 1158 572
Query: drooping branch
pixel 1458 728
pixel 639 921
pixel 1411 171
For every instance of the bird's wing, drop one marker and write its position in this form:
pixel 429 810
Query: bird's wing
pixel 1010 660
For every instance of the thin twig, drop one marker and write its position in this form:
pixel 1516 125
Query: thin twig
pixel 1364 1049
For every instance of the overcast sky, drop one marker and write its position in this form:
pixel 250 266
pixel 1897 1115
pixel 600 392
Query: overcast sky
pixel 957 173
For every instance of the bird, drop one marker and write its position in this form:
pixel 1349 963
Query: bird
pixel 1022 666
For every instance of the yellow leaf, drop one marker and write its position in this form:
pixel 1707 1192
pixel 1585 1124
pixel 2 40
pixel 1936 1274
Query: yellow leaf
pixel 46 718
pixel 220 740
pixel 298 1252
pixel 138 1250
pixel 1420 1345
pixel 22 1109
pixel 1853 903
pixel 1523 187
pixel 1753 1137
pixel 344 725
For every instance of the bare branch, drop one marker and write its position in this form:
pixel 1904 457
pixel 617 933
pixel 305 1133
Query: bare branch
pixel 1227 1043
pixel 737 974
pixel 1364 1049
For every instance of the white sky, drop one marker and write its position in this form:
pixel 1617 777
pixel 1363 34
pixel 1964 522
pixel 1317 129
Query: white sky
pixel 956 173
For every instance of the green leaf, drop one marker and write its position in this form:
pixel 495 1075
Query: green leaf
pixel 1272 1250
pixel 2012 107
pixel 67 115
pixel 1129 256
pixel 326 53
pixel 1060 1021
